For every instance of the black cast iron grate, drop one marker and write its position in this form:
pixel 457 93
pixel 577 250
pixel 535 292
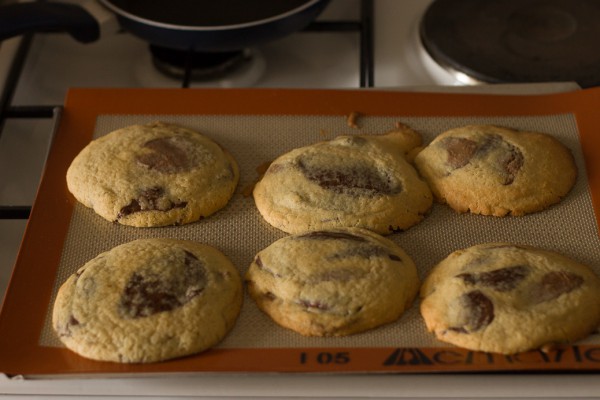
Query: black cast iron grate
pixel 362 26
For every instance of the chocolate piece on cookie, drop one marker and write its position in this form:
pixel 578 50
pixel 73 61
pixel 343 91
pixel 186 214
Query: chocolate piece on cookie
pixel 334 282
pixel 505 298
pixel 153 175
pixel 148 300
pixel 492 170
pixel 351 181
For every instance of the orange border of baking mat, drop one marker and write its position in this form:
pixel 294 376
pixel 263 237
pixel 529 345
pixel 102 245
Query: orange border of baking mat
pixel 27 297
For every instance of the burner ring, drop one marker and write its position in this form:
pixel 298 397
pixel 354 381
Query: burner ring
pixel 203 66
pixel 515 41
pixel 545 23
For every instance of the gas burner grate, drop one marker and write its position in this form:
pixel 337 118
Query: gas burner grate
pixel 363 27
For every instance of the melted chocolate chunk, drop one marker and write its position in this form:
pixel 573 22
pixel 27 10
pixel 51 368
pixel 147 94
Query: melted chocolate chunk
pixel 147 196
pixel 460 151
pixel 269 296
pixel 458 330
pixel 313 304
pixel 554 284
pixel 502 279
pixel 394 257
pixel 332 235
pixel 65 330
pixel 363 248
pixel 321 307
pixel 150 199
pixel 166 155
pixel 511 163
pixel 489 143
pixel 148 293
pixel 479 311
pixel 259 263
pixel 396 229
pixel 73 321
pixel 357 180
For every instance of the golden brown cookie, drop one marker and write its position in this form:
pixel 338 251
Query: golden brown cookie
pixel 350 181
pixel 148 300
pixel 153 175
pixel 493 170
pixel 506 298
pixel 333 283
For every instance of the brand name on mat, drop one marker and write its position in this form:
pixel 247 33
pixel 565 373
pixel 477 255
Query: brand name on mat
pixel 413 357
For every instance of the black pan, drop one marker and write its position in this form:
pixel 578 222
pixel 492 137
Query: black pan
pixel 200 25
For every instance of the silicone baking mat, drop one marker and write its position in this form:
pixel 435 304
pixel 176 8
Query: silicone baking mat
pixel 256 126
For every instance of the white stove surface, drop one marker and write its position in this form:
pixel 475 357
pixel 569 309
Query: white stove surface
pixel 306 60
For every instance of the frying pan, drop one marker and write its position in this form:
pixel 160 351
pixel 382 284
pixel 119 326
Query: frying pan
pixel 199 25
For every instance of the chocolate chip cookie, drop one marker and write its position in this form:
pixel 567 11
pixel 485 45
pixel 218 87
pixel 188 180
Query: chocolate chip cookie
pixel 153 175
pixel 334 282
pixel 498 171
pixel 351 181
pixel 148 300
pixel 506 298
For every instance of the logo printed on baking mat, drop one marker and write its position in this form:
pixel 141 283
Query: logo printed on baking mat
pixel 411 357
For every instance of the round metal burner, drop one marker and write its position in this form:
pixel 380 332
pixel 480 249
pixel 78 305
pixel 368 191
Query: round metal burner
pixel 516 41
pixel 201 66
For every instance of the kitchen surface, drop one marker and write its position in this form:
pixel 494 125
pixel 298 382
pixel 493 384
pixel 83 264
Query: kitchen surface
pixel 353 44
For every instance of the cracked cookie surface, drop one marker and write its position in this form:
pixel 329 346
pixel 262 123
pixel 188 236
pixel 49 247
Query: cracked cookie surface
pixel 148 300
pixel 498 171
pixel 351 181
pixel 333 283
pixel 153 175
pixel 506 298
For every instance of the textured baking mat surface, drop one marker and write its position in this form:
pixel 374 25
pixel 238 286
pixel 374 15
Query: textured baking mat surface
pixel 239 231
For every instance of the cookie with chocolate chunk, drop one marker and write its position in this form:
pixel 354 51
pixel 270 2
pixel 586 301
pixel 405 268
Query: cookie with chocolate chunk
pixel 506 298
pixel 334 282
pixel 148 300
pixel 351 181
pixel 153 175
pixel 498 171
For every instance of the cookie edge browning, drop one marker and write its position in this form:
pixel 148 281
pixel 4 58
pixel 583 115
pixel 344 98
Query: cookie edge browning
pixel 466 200
pixel 292 316
pixel 228 315
pixel 435 321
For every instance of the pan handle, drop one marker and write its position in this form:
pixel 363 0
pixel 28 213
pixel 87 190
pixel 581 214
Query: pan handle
pixel 19 18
